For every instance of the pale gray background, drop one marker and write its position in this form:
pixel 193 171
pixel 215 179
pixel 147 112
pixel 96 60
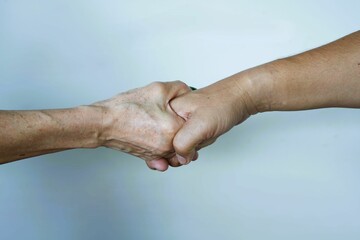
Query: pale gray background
pixel 277 176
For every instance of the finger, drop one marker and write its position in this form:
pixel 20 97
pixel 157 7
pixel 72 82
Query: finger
pixel 192 133
pixel 158 164
pixel 187 139
pixel 173 161
pixel 206 143
pixel 176 89
pixel 196 156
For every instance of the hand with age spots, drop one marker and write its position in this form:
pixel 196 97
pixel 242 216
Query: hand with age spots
pixel 139 122
pixel 166 124
pixel 142 123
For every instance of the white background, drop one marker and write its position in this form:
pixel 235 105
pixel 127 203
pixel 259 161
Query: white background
pixel 289 175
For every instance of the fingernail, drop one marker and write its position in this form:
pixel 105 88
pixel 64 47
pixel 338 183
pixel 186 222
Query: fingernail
pixel 195 157
pixel 192 155
pixel 181 159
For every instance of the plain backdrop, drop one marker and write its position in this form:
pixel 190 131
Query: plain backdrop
pixel 279 175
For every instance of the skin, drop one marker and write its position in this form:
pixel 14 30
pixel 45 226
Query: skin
pixel 328 76
pixel 139 122
pixel 162 119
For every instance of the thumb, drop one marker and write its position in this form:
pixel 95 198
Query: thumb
pixel 176 88
pixel 186 140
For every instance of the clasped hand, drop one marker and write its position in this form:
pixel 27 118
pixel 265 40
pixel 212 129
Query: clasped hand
pixel 164 123
pixel 167 123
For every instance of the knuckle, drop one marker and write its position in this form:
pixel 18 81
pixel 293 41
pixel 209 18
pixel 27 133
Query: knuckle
pixel 158 87
pixel 182 85
pixel 179 82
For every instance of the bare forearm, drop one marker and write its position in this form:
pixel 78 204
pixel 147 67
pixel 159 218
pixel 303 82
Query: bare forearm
pixel 328 76
pixel 31 133
pixel 139 122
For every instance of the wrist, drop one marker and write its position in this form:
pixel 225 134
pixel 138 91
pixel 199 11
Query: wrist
pixel 110 114
pixel 92 125
pixel 259 86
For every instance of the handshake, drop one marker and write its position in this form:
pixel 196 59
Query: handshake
pixel 167 123
pixel 163 123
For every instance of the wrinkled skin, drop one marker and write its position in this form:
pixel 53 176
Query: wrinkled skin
pixel 142 123
pixel 209 113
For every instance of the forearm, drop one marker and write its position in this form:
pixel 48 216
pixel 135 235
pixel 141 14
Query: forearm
pixel 30 133
pixel 328 76
pixel 139 122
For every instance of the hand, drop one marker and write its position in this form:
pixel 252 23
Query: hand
pixel 209 113
pixel 142 123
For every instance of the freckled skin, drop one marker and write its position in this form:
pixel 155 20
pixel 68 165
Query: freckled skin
pixel 327 76
pixel 163 119
pixel 139 122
